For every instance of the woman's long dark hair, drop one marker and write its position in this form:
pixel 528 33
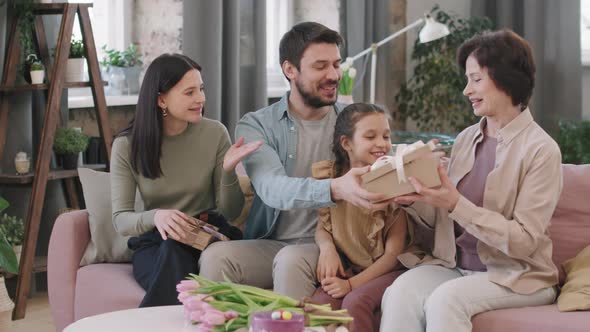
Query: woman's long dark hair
pixel 345 126
pixel 145 130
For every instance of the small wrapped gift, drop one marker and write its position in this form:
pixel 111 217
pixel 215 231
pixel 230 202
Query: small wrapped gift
pixel 202 235
pixel 389 175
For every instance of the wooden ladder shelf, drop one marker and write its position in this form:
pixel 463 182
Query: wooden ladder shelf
pixel 54 90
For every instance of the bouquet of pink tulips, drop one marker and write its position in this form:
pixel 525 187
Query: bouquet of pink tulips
pixel 225 306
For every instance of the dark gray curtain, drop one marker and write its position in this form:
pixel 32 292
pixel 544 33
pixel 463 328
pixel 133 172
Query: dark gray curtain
pixel 367 22
pixel 552 27
pixel 228 39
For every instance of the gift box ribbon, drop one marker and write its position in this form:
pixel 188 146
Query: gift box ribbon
pixel 402 151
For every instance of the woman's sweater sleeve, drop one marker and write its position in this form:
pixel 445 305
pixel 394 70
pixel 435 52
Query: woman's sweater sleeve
pixel 126 220
pixel 228 194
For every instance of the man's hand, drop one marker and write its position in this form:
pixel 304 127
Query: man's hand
pixel 336 287
pixel 446 196
pixel 348 188
pixel 329 263
pixel 172 224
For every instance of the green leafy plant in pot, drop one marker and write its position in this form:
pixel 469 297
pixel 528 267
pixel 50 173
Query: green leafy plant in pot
pixel 75 63
pixel 69 143
pixel 36 69
pixel 13 229
pixel 8 263
pixel 433 96
pixel 25 28
pixel 123 68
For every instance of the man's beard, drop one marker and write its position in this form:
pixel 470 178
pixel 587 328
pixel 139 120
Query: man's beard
pixel 312 100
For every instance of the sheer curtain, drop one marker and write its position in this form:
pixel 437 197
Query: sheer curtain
pixel 228 39
pixel 552 27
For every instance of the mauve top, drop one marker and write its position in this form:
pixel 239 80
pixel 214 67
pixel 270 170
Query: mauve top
pixel 472 187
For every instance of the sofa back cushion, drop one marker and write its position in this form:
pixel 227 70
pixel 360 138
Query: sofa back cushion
pixel 570 224
pixel 106 245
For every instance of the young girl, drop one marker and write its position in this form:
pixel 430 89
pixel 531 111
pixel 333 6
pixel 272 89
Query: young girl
pixel 364 242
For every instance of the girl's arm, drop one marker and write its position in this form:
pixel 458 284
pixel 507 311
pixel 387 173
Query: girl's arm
pixel 329 263
pixel 394 245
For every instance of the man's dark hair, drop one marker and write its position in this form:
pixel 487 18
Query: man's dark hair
pixel 508 59
pixel 296 41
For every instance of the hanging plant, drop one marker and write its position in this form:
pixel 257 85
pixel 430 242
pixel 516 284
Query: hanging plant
pixel 433 97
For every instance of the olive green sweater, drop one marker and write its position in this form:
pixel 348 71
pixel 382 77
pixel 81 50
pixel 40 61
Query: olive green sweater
pixel 193 179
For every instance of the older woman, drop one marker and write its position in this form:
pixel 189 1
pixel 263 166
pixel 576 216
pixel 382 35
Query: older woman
pixel 489 247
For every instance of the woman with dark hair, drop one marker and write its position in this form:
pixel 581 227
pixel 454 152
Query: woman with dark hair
pixel 183 165
pixel 484 243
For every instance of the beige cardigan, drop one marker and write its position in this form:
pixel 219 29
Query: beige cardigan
pixel 520 195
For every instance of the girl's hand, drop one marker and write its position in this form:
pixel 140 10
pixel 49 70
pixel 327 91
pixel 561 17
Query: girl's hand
pixel 329 264
pixel 446 196
pixel 172 224
pixel 336 287
pixel 237 152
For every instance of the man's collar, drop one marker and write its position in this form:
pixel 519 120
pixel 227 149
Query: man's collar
pixel 283 107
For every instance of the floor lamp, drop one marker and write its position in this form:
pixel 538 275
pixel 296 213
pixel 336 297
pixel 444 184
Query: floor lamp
pixel 432 30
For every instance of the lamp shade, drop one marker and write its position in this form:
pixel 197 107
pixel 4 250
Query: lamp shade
pixel 432 30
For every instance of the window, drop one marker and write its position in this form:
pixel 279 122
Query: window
pixel 111 26
pixel 278 21
pixel 585 31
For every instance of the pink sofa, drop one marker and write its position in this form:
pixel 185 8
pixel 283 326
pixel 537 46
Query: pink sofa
pixel 76 292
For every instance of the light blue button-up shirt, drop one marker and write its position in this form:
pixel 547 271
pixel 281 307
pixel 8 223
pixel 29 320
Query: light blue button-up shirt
pixel 268 167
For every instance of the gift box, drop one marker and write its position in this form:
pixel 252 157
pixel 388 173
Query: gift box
pixel 201 235
pixel 389 175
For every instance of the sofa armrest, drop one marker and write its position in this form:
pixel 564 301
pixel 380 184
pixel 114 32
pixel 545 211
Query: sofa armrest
pixel 67 244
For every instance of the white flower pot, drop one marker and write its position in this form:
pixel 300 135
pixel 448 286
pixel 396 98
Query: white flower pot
pixel 345 99
pixel 75 70
pixel 6 306
pixel 37 76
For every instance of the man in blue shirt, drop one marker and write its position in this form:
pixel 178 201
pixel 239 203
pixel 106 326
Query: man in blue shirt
pixel 297 131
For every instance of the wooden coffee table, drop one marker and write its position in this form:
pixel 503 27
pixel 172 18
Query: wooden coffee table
pixel 156 319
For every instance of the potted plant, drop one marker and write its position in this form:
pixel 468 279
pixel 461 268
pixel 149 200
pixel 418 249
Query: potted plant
pixel 13 229
pixel 123 68
pixel 37 71
pixel 433 96
pixel 26 25
pixel 75 64
pixel 9 264
pixel 68 144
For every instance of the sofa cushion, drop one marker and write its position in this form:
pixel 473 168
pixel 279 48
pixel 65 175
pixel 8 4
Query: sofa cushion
pixel 106 245
pixel 575 294
pixel 531 319
pixel 570 224
pixel 104 288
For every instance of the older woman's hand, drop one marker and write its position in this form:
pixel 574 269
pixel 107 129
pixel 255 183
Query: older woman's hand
pixel 446 196
pixel 237 152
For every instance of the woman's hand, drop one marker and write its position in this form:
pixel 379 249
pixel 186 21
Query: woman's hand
pixel 336 287
pixel 446 196
pixel 329 264
pixel 238 152
pixel 172 224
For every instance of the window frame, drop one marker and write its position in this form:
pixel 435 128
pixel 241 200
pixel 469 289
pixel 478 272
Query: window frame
pixel 279 19
pixel 585 31
pixel 120 24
